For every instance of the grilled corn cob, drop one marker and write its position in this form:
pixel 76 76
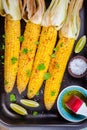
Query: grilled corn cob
pixel 56 70
pixel 46 44
pixel 64 48
pixel 29 45
pixel 12 44
pixel 12 49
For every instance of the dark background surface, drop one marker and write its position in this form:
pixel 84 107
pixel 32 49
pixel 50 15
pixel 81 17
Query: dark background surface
pixel 44 117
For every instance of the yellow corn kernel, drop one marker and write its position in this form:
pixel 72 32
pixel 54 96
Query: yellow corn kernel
pixel 27 54
pixel 12 49
pixel 42 59
pixel 56 69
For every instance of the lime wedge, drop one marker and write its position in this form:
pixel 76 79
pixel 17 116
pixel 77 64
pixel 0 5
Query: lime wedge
pixel 18 109
pixel 80 44
pixel 29 103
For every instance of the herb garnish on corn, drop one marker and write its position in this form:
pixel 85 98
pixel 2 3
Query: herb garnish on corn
pixel 52 21
pixel 12 11
pixel 35 10
pixel 12 97
pixel 68 34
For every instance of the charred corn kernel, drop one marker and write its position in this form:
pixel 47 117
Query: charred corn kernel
pixel 42 59
pixel 12 49
pixel 27 54
pixel 56 69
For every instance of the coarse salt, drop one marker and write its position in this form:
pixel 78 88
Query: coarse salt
pixel 78 66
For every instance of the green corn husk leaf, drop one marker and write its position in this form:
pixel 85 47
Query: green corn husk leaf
pixel 71 27
pixel 33 10
pixel 13 8
pixel 56 14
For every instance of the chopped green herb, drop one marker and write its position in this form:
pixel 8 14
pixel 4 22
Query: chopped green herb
pixel 21 38
pixel 37 94
pixel 35 113
pixel 12 98
pixel 28 73
pixel 41 66
pixel 25 51
pixel 2 57
pixel 47 76
pixel 55 49
pixel 37 42
pixel 6 83
pixel 31 91
pixel 53 55
pixel 3 47
pixel 56 65
pixel 53 93
pixel 61 45
pixel 2 63
pixel 3 36
pixel 14 60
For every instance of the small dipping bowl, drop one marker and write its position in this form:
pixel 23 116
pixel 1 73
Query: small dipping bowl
pixel 65 112
pixel 78 66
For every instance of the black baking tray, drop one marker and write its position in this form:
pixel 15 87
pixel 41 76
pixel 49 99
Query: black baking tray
pixel 44 117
